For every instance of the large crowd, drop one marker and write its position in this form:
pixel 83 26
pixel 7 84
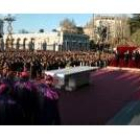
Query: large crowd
pixel 48 60
pixel 27 96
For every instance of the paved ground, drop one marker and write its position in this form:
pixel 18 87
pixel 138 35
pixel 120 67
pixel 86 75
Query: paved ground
pixel 109 92
pixel 130 114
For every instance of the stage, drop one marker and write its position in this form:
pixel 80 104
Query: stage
pixel 124 69
pixel 110 91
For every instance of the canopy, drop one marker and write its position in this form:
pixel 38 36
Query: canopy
pixel 124 48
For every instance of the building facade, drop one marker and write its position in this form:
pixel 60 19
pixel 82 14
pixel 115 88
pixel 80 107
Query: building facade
pixel 54 41
pixel 109 27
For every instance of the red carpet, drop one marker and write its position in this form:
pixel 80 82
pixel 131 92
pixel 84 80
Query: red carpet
pixel 97 103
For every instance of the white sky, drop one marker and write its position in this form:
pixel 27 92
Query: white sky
pixel 70 6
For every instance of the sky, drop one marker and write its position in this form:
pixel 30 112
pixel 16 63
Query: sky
pixel 34 22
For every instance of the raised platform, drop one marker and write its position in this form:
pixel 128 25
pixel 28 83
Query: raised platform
pixel 109 92
pixel 123 68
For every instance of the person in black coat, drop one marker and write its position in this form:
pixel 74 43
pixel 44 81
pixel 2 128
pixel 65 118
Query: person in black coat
pixel 50 112
pixel 11 113
pixel 25 93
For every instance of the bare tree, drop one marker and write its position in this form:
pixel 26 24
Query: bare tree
pixel 68 25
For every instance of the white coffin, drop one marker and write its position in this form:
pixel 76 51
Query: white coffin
pixel 72 77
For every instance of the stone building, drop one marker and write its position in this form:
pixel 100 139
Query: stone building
pixel 116 26
pixel 56 41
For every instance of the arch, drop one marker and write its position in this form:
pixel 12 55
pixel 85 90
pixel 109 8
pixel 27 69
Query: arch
pixel 31 44
pixel 18 43
pixel 12 42
pixel 32 39
pixel 18 39
pixel 44 45
pixel 24 43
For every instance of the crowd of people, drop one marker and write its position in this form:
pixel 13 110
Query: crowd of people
pixel 48 60
pixel 26 101
pixel 126 59
pixel 27 96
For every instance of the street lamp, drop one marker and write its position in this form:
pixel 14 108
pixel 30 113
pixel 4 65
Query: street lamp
pixel 9 19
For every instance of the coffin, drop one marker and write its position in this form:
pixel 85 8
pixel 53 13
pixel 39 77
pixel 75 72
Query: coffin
pixel 71 78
